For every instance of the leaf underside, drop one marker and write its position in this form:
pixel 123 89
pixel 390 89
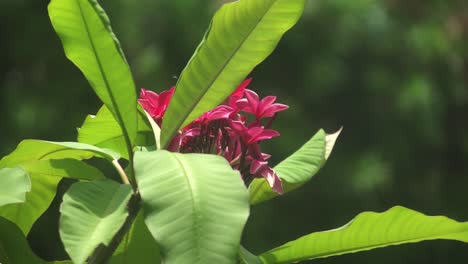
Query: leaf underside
pixel 15 185
pixel 295 170
pixel 241 35
pixel 91 214
pixel 47 163
pixel 195 205
pixel 367 231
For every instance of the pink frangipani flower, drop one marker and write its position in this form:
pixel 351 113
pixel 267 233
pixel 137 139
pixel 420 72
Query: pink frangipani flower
pixel 155 105
pixel 226 131
pixel 260 108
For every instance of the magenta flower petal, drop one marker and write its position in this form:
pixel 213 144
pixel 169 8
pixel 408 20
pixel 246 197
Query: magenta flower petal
pixel 272 110
pixel 220 112
pixel 260 108
pixel 252 98
pixel 261 168
pixel 238 93
pixel 226 130
pixel 256 134
pixel 155 104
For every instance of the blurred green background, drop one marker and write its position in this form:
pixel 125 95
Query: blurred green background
pixel 393 73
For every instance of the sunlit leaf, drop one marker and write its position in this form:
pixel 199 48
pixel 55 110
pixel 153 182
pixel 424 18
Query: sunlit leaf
pixel 91 214
pixel 370 230
pixel 241 35
pixel 15 183
pixel 102 130
pixel 47 163
pixel 298 168
pixel 90 44
pixel 195 205
pixel 29 150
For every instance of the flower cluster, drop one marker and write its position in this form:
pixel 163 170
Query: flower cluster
pixel 232 130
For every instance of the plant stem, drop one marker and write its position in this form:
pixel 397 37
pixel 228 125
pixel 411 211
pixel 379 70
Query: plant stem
pixel 102 254
pixel 121 172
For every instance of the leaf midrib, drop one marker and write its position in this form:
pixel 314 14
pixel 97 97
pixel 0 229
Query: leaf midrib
pixel 195 206
pixel 219 72
pixel 106 82
pixel 377 245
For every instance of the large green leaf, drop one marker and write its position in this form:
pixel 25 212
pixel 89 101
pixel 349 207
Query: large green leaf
pixel 242 34
pixel 195 205
pixel 15 183
pixel 29 150
pixel 298 168
pixel 138 246
pixel 370 230
pixel 14 248
pixel 47 163
pixel 102 130
pixel 91 214
pixel 90 44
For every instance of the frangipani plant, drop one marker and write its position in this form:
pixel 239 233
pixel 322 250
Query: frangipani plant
pixel 193 163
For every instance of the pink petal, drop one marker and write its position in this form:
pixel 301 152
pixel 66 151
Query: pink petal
pixel 257 166
pixel 259 133
pixel 238 126
pixel 165 97
pixel 175 144
pixel 268 100
pixel 192 132
pixel 274 108
pixel 220 112
pixel 244 105
pixel 239 92
pixel 252 97
pixel 277 185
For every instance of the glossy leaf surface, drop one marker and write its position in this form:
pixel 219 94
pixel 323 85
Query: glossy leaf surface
pixel 103 130
pixel 367 231
pixel 15 185
pixel 195 205
pixel 90 44
pixel 241 35
pixel 91 214
pixel 47 163
pixel 298 168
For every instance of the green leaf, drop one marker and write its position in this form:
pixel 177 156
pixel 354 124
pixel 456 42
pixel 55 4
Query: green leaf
pixel 68 168
pixel 90 44
pixel 195 205
pixel 29 150
pixel 15 185
pixel 47 163
pixel 298 168
pixel 91 214
pixel 138 246
pixel 367 231
pixel 102 130
pixel 246 257
pixel 14 248
pixel 45 176
pixel 241 35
